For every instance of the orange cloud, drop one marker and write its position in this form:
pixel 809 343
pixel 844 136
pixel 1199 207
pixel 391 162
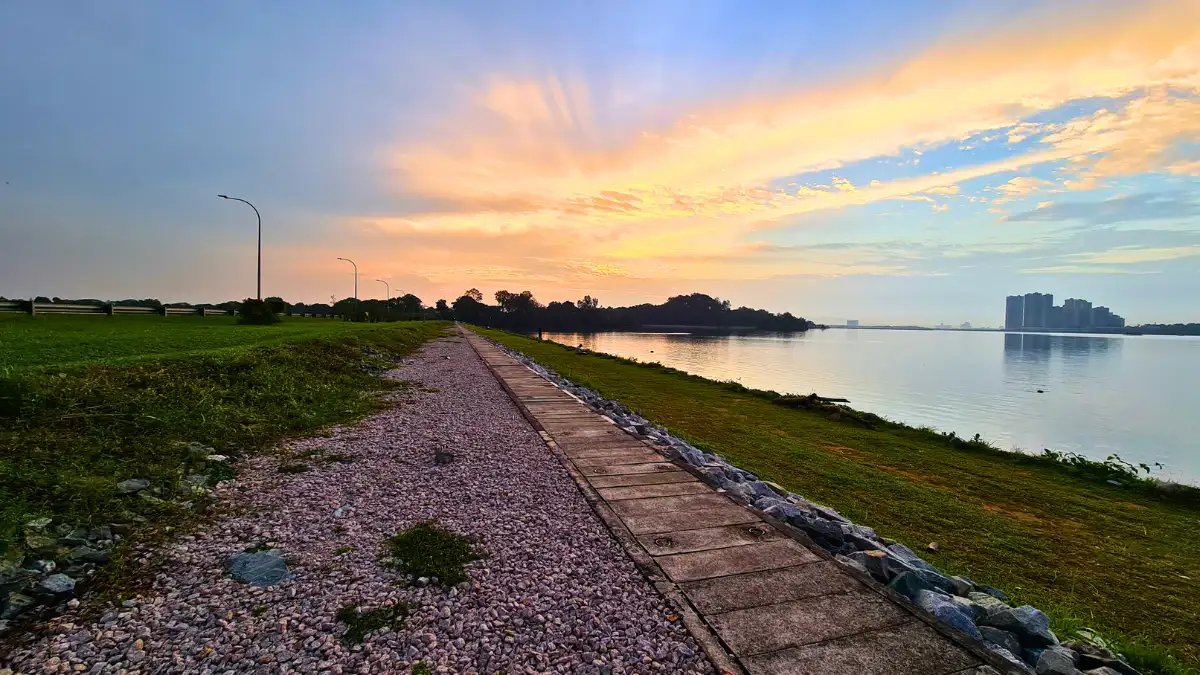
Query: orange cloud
pixel 528 155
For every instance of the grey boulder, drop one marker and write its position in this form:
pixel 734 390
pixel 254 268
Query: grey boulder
pixel 947 612
pixel 1001 638
pixel 1057 661
pixel 1030 625
pixel 262 568
pixel 132 485
pixel 57 584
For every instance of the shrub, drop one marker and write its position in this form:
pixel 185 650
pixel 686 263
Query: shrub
pixel 258 313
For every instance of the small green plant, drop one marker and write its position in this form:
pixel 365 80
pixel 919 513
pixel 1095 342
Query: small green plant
pixel 421 668
pixel 259 610
pixel 429 550
pixel 343 550
pixel 257 548
pixel 361 623
pixel 293 467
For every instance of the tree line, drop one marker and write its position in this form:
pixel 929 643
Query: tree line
pixel 523 313
pixel 519 312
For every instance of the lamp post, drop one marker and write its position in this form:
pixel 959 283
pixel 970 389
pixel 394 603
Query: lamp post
pixel 355 285
pixel 239 199
pixel 388 299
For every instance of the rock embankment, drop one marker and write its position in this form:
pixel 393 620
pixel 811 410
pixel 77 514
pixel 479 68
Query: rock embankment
pixel 553 591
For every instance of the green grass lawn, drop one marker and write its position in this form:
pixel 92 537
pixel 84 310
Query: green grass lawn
pixel 86 402
pixel 69 341
pixel 1122 561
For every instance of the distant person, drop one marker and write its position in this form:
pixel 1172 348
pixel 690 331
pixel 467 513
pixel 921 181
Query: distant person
pixel 579 349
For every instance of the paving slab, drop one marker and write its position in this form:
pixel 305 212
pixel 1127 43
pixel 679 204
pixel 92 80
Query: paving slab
pixel 616 450
pixel 628 479
pixel 769 628
pixel 742 591
pixel 652 467
pixel 652 505
pixel 660 490
pixel 685 520
pixel 705 538
pixel 634 456
pixel 720 562
pixel 910 649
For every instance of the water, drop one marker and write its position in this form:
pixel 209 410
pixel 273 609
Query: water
pixel 1134 396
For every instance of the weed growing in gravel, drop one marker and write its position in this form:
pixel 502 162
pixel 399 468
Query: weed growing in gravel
pixel 343 550
pixel 359 624
pixel 259 610
pixel 293 467
pixel 257 548
pixel 421 668
pixel 339 459
pixel 429 550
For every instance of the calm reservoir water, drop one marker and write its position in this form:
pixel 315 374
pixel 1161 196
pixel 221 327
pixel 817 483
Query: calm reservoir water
pixel 1135 396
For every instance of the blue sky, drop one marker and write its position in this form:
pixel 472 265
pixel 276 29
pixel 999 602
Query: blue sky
pixel 900 163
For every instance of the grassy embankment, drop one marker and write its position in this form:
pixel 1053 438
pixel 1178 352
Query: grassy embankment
pixel 1123 561
pixel 88 401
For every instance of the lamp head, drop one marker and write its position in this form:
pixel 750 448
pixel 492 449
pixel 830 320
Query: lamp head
pixel 223 196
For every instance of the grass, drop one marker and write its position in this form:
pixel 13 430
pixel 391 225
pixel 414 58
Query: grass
pixel 360 624
pixel 87 401
pixel 428 550
pixel 71 341
pixel 1124 561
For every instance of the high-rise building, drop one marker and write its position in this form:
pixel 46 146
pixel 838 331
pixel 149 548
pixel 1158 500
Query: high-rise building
pixel 1014 312
pixel 1077 313
pixel 1037 309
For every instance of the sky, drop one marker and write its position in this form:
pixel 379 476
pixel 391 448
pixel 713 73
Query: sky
pixel 907 162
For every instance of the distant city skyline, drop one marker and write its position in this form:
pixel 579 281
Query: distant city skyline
pixel 1037 311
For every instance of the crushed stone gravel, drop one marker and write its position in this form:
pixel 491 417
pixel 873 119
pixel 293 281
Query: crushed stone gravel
pixel 555 594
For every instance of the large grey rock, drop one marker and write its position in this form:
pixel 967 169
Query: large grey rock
pixel 881 565
pixel 132 485
pixel 910 584
pixel 262 568
pixel 947 612
pixel 38 524
pixel 57 584
pixel 911 559
pixel 1029 624
pixel 1103 670
pixel 986 603
pixel 1013 659
pixel 1092 656
pixel 15 605
pixel 1057 661
pixel 87 554
pixel 1001 638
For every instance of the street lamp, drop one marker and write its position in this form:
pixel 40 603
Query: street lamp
pixel 238 199
pixel 389 292
pixel 355 285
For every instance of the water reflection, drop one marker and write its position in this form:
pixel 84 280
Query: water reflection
pixel 1035 347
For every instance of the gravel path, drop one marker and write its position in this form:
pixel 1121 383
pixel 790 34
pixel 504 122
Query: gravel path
pixel 556 593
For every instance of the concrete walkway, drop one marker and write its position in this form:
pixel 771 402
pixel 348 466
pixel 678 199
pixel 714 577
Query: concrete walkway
pixel 756 597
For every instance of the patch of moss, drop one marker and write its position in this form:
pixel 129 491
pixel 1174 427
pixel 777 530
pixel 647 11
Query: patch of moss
pixel 343 550
pixel 359 624
pixel 293 467
pixel 421 668
pixel 259 610
pixel 429 550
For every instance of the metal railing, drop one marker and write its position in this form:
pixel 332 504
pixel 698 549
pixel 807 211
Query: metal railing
pixel 33 307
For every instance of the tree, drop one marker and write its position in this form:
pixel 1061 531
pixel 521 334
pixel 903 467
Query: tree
pixel 409 304
pixel 277 304
pixel 588 302
pixel 474 294
pixel 443 311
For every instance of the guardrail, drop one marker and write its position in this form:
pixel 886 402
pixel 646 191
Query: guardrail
pixel 32 307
